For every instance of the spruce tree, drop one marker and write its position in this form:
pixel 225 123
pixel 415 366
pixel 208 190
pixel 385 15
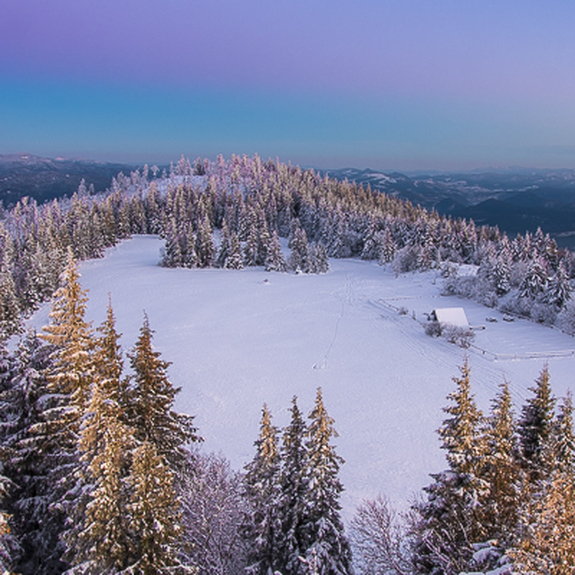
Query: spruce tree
pixel 224 249
pixel 326 546
pixel 151 403
pixel 502 471
pixel 251 247
pixel 234 260
pixel 261 481
pixel 9 416
pixel 536 426
pixel 100 538
pixel 450 520
pixel 294 488
pixel 274 258
pixel 564 438
pixel 155 515
pixel 36 528
pixel 70 376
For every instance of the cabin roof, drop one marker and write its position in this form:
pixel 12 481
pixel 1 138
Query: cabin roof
pixel 451 315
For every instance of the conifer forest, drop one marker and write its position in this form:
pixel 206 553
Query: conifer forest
pixel 100 474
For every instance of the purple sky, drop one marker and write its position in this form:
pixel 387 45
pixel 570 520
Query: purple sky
pixel 400 84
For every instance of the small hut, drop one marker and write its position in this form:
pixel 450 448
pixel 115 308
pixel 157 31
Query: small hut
pixel 454 316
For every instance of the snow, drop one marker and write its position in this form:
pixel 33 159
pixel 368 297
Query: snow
pixel 237 339
pixel 451 316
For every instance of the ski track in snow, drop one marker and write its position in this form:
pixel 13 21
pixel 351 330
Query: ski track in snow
pixel 237 339
pixel 346 300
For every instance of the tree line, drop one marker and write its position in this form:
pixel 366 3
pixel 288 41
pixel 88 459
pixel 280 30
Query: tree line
pixel 233 214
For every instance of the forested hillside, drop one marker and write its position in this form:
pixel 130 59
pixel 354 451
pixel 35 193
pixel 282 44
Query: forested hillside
pixel 231 214
pixel 100 474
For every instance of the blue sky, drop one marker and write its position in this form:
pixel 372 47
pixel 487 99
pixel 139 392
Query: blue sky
pixel 404 85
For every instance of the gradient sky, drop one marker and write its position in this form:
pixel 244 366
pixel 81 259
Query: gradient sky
pixel 395 85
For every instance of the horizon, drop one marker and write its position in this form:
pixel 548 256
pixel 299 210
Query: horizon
pixel 407 85
pixel 387 171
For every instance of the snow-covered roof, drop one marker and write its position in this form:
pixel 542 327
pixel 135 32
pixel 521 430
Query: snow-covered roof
pixel 451 315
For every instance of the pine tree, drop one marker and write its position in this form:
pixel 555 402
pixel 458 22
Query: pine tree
pixel 234 260
pixel 275 261
pixel 155 517
pixel 100 538
pixel 224 249
pixel 251 247
pixel 536 426
pixel 294 488
pixel 9 545
pixel 261 483
pixel 326 545
pixel 152 400
pixel 36 528
pixel 450 519
pixel 501 470
pixel 70 375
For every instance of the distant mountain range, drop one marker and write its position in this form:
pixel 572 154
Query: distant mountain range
pixel 45 179
pixel 516 200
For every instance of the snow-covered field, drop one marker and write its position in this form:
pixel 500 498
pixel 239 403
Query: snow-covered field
pixel 237 339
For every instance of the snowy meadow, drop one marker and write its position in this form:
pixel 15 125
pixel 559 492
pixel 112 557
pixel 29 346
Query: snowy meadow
pixel 240 338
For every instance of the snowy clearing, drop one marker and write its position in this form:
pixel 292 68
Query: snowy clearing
pixel 237 339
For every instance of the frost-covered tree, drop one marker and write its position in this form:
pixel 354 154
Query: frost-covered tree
pixel 535 281
pixel 379 538
pixel 564 438
pixel 558 291
pixel 292 504
pixel 9 306
pixel 275 261
pixel 155 515
pixel 535 427
pixel 450 519
pixel 224 249
pixel 262 490
pixel 100 538
pixel 70 375
pixel 234 260
pixel 251 247
pixel 321 259
pixel 29 467
pixel 9 416
pixel 152 398
pixel 502 471
pixel 388 248
pixel 326 546
pixel 205 249
pixel 547 535
pixel 214 509
pixel 298 259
